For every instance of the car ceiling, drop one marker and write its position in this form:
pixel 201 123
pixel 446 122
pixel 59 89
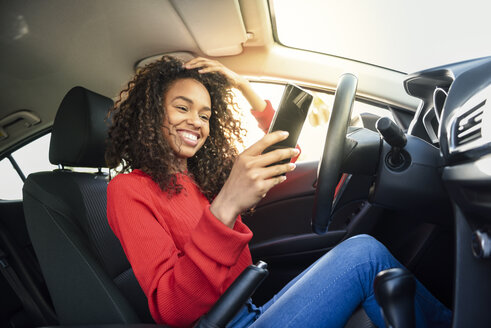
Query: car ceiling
pixel 50 46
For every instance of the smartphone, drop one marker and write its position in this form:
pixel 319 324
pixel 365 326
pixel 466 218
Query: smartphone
pixel 290 116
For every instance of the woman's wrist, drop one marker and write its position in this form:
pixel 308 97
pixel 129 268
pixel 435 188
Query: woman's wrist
pixel 222 212
pixel 242 84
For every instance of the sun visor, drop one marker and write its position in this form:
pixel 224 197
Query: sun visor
pixel 216 25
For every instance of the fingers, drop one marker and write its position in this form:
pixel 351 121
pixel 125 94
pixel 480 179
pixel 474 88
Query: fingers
pixel 210 69
pixel 261 186
pixel 206 65
pixel 195 61
pixel 262 177
pixel 276 156
pixel 275 171
pixel 266 141
pixel 270 183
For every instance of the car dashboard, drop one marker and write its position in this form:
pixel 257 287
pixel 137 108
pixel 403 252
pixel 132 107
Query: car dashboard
pixel 455 116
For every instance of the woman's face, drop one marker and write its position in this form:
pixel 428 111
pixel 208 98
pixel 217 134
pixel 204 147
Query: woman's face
pixel 186 125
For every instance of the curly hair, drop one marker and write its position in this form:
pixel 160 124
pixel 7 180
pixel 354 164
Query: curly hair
pixel 136 138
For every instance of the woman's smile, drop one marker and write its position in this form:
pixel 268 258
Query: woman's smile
pixel 188 137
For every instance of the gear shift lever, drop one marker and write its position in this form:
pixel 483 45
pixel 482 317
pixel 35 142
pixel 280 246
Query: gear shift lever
pixel 394 291
pixel 396 138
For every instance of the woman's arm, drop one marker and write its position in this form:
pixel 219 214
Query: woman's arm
pixel 237 81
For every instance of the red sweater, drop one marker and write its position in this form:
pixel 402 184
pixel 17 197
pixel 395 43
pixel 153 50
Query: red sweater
pixel 183 257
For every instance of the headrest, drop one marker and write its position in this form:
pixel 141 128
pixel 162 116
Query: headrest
pixel 80 129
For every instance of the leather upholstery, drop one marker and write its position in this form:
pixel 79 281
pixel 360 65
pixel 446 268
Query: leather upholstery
pixel 87 273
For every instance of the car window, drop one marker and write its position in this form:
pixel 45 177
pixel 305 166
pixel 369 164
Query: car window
pixel 31 158
pixel 34 157
pixel 11 186
pixel 312 137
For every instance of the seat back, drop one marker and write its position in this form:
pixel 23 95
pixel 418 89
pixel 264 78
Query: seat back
pixel 86 271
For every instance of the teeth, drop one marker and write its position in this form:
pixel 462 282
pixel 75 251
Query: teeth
pixel 189 136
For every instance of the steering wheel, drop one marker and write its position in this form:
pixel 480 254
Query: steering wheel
pixel 332 157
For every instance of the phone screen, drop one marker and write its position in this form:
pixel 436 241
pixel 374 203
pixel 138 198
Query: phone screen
pixel 290 116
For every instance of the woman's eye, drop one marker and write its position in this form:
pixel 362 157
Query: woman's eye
pixel 182 108
pixel 205 118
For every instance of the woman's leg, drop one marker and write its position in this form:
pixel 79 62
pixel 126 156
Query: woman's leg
pixel 327 293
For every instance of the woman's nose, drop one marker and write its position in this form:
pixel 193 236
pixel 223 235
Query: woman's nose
pixel 195 120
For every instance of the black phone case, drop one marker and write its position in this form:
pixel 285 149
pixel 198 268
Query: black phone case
pixel 290 116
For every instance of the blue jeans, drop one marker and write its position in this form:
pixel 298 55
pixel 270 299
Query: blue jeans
pixel 327 293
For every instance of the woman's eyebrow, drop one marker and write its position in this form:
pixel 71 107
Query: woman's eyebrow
pixel 186 99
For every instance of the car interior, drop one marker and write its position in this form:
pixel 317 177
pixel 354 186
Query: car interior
pixel 415 173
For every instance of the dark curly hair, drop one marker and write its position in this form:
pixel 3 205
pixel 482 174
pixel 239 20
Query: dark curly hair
pixel 136 139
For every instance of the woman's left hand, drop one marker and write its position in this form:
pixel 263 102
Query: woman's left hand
pixel 207 65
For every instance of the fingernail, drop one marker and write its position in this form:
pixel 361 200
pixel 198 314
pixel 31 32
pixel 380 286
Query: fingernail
pixel 292 166
pixel 296 151
pixel 283 178
pixel 284 133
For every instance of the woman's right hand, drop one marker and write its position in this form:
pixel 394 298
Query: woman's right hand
pixel 252 177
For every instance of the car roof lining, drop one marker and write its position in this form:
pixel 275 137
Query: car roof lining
pixel 56 45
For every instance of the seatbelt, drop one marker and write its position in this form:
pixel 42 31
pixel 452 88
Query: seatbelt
pixel 25 298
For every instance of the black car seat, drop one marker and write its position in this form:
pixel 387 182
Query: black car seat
pixel 87 273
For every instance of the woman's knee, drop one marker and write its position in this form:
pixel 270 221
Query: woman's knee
pixel 364 247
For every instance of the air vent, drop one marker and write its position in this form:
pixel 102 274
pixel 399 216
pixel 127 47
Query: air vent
pixel 469 125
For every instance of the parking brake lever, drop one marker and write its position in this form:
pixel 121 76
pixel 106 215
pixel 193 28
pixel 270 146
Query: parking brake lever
pixel 229 304
pixel 396 138
pixel 394 291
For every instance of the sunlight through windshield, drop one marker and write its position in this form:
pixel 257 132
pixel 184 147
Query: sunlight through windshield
pixel 402 35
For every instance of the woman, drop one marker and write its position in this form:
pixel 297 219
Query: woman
pixel 177 213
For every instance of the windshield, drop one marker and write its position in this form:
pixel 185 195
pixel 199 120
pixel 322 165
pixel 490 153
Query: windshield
pixel 406 36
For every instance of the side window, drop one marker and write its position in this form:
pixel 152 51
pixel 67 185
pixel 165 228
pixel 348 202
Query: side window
pixel 312 137
pixel 31 158
pixel 11 186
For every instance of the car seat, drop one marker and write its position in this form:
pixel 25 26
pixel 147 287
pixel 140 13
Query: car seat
pixel 86 271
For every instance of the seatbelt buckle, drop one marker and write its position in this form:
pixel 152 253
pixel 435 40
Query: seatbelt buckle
pixel 3 259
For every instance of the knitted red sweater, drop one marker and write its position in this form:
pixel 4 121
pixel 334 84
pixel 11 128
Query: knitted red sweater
pixel 183 257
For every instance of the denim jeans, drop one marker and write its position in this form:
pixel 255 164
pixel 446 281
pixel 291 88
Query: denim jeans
pixel 327 293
